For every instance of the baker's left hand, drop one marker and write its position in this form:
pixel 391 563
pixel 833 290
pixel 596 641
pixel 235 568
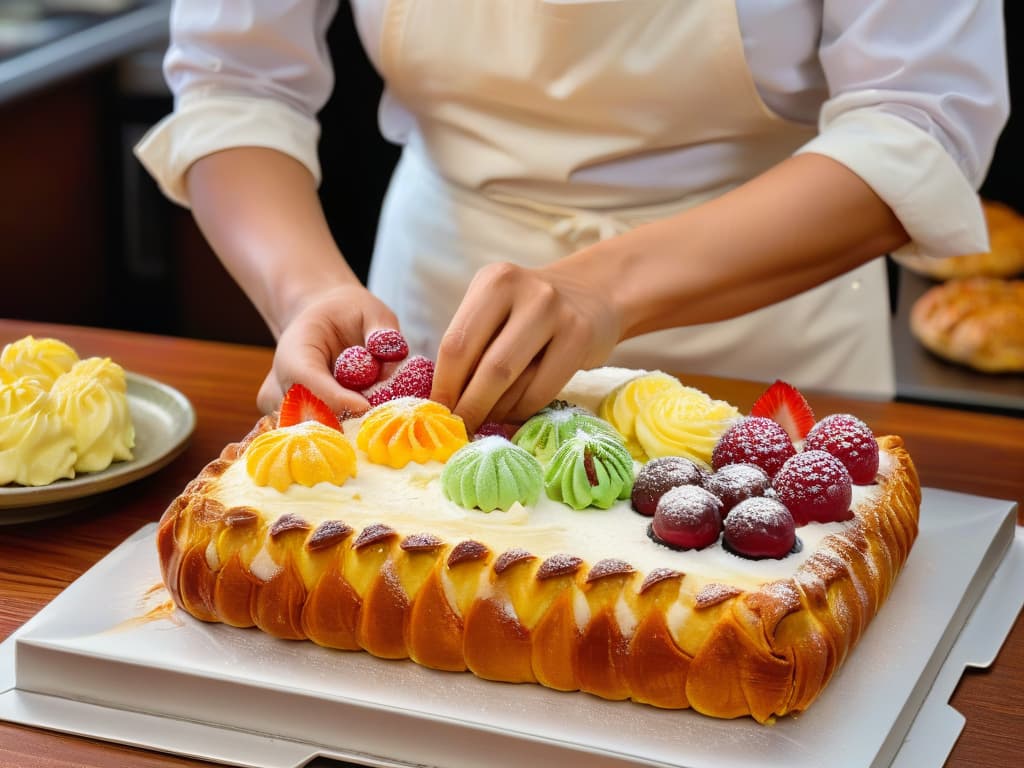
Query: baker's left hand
pixel 517 337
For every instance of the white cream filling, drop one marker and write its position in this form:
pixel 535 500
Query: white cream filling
pixel 410 501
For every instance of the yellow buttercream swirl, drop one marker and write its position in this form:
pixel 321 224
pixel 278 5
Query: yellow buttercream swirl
pixel 91 398
pixel 621 406
pixel 43 359
pixel 303 454
pixel 36 446
pixel 410 429
pixel 683 422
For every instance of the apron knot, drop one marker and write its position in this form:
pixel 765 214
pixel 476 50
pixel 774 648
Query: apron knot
pixel 562 221
pixel 581 224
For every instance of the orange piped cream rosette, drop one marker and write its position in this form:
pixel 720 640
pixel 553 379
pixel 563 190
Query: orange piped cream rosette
pixel 305 454
pixel 410 429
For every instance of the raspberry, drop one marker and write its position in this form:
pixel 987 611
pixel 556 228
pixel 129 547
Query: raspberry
pixel 815 487
pixel 387 344
pixel 735 482
pixel 660 475
pixel 413 378
pixel 688 517
pixel 492 428
pixel 754 440
pixel 759 528
pixel 356 368
pixel 851 441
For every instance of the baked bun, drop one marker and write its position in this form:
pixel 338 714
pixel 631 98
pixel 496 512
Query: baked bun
pixel 977 322
pixel 1005 257
pixel 573 598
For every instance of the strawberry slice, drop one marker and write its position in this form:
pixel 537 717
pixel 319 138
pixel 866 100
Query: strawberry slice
pixel 783 403
pixel 301 405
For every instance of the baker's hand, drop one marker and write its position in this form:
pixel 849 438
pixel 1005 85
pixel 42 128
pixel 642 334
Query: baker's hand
pixel 325 324
pixel 517 338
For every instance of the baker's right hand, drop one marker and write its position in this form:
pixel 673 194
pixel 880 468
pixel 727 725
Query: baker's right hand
pixel 322 326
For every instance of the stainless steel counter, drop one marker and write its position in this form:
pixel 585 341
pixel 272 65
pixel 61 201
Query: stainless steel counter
pixel 77 42
pixel 923 377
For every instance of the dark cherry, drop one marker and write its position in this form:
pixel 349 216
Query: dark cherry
pixel 688 517
pixel 660 475
pixel 735 482
pixel 758 528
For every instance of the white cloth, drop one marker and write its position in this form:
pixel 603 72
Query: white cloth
pixel 256 72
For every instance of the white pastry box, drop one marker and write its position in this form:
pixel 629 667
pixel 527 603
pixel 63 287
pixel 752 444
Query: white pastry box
pixel 108 659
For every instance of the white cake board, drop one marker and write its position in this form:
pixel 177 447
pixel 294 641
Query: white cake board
pixel 89 665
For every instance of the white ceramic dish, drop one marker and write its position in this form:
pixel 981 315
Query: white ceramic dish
pixel 164 421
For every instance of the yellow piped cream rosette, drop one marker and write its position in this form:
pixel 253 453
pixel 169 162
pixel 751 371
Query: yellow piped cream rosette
pixel 36 446
pixel 683 422
pixel 44 359
pixel 410 429
pixel 621 406
pixel 305 454
pixel 92 400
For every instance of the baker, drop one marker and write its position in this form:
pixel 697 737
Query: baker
pixel 692 186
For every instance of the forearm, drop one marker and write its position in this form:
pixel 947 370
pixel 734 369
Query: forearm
pixel 805 221
pixel 259 210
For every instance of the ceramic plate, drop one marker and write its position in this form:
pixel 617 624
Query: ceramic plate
pixel 164 420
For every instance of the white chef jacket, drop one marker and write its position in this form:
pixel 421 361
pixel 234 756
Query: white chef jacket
pixel 256 72
pixel 874 76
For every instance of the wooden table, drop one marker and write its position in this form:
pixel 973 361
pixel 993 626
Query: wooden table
pixel 971 452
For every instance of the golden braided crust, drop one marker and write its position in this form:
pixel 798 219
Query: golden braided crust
pixel 511 616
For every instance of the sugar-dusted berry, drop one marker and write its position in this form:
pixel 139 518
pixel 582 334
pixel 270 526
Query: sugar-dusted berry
pixel 387 344
pixel 851 441
pixel 759 528
pixel 413 378
pixel 495 428
pixel 754 440
pixel 735 482
pixel 660 475
pixel 687 517
pixel 355 368
pixel 815 487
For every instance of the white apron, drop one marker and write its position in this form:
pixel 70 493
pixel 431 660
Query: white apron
pixel 513 99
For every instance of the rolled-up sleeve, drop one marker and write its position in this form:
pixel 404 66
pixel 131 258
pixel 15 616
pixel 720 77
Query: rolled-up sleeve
pixel 243 73
pixel 918 98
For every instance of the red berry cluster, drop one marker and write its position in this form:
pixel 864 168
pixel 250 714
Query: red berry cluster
pixel 762 487
pixel 382 370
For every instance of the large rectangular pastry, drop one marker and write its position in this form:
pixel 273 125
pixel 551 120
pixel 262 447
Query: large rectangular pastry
pixel 606 547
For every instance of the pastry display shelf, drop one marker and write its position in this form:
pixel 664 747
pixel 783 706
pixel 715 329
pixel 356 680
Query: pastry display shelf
pixel 108 659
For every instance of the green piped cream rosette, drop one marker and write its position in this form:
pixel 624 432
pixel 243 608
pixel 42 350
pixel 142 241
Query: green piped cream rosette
pixel 590 470
pixel 492 473
pixel 544 433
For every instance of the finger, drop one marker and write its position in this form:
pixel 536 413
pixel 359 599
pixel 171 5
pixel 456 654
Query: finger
pixel 513 394
pixel 560 361
pixel 268 399
pixel 479 318
pixel 523 337
pixel 312 366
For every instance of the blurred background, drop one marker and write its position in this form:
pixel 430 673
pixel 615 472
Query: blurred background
pixel 88 239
